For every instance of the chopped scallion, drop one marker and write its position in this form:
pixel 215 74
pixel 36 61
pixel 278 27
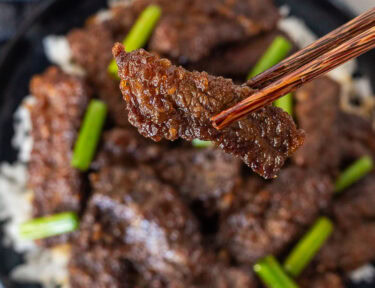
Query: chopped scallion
pixel 276 52
pixel 272 275
pixel 140 32
pixel 308 246
pixel 201 143
pixel 285 103
pixel 353 173
pixel 89 135
pixel 49 226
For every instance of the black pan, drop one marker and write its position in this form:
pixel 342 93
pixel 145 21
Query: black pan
pixel 23 57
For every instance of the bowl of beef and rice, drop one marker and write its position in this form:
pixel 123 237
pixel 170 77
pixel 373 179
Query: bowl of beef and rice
pixel 93 193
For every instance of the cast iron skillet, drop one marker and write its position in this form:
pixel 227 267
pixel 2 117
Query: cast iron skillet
pixel 23 57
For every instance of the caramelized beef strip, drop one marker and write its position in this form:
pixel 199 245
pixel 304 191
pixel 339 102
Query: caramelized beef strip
pixel 192 29
pixel 348 249
pixel 356 205
pixel 317 110
pixel 235 60
pixel 97 267
pixel 137 217
pixel 351 244
pixel 124 146
pixel 276 214
pixel 225 276
pixel 337 137
pixel 321 280
pixel 165 101
pixel 357 136
pixel 206 175
pixel 60 102
pixel 212 22
pixel 90 48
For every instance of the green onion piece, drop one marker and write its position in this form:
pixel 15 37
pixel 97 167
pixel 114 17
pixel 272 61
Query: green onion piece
pixel 308 246
pixel 353 173
pixel 271 273
pixel 201 143
pixel 89 135
pixel 48 226
pixel 285 103
pixel 276 52
pixel 140 32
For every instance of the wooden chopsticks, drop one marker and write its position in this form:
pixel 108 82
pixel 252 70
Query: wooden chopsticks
pixel 344 43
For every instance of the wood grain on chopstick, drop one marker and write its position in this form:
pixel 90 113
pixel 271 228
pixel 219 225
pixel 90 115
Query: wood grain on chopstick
pixel 330 41
pixel 288 82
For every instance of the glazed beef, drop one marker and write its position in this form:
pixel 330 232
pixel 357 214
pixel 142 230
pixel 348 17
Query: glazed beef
pixel 213 22
pixel 206 175
pixel 225 276
pixel 356 205
pixel 193 28
pixel 98 267
pixel 235 60
pixel 348 249
pixel 326 280
pixel 56 117
pixel 350 245
pixel 135 216
pixel 125 147
pixel 165 101
pixel 317 110
pixel 275 215
pixel 357 136
pixel 91 48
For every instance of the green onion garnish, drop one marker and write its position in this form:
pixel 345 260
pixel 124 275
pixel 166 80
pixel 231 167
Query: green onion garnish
pixel 285 103
pixel 201 143
pixel 276 52
pixel 308 246
pixel 272 275
pixel 48 226
pixel 89 135
pixel 353 173
pixel 140 32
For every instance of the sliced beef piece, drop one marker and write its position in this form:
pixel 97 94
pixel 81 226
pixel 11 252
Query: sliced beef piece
pixel 317 110
pixel 348 249
pixel 165 101
pixel 125 147
pixel 249 187
pixel 356 205
pixel 207 175
pixel 98 267
pixel 235 60
pixel 56 117
pixel 136 216
pixel 119 18
pixel 91 48
pixel 193 28
pixel 357 136
pixel 60 102
pixel 276 215
pixel 226 276
pixel 319 280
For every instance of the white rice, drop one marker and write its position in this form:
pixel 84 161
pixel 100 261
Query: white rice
pixel 58 52
pixel 365 273
pixel 49 266
pixel 46 266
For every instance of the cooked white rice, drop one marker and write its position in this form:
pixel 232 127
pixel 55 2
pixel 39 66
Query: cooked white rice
pixel 58 52
pixel 49 266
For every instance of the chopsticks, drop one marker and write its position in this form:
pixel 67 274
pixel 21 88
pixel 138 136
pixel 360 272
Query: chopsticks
pixel 344 43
